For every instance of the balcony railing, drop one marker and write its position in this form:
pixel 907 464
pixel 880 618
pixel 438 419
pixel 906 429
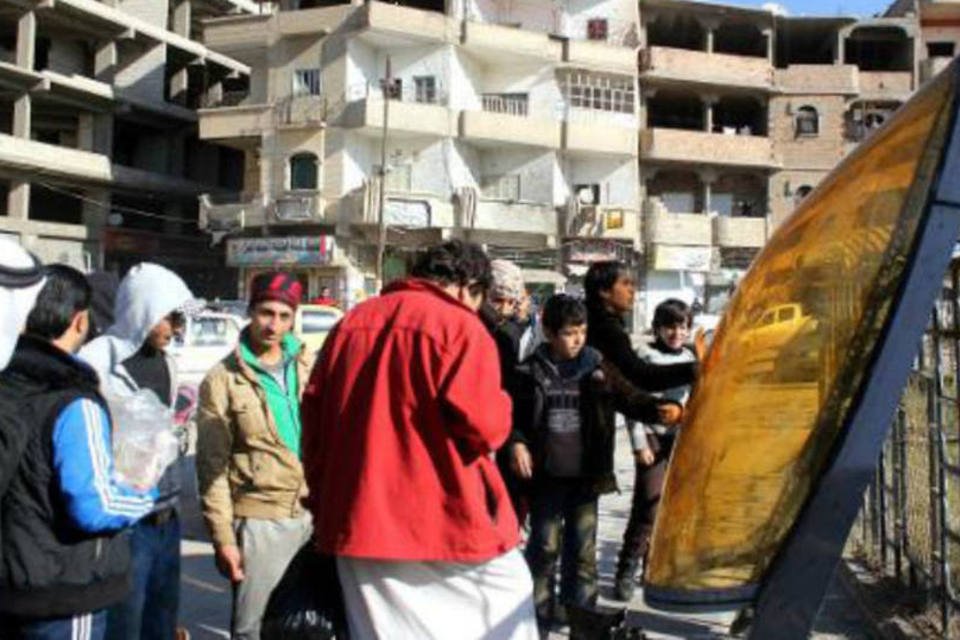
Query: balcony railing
pixel 510 104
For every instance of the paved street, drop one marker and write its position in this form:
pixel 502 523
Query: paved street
pixel 205 599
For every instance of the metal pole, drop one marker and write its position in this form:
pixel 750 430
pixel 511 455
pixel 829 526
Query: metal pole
pixel 386 86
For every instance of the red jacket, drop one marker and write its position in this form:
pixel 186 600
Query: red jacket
pixel 400 416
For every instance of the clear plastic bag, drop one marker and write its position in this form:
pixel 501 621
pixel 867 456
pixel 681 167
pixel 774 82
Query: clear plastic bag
pixel 145 442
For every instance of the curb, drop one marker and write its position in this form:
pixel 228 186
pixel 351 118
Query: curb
pixel 856 580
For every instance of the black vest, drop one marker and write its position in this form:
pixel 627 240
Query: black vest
pixel 48 567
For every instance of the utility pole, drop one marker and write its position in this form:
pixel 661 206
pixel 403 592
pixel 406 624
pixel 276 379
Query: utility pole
pixel 386 86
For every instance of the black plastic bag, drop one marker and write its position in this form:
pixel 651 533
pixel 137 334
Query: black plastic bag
pixel 307 604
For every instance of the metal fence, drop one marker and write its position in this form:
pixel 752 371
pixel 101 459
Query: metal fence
pixel 910 525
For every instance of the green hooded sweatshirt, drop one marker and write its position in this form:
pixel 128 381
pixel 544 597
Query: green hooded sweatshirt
pixel 284 405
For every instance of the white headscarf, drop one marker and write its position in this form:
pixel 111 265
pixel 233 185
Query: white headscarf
pixel 20 281
pixel 507 280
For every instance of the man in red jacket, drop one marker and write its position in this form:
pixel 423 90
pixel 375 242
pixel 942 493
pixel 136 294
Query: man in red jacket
pixel 400 418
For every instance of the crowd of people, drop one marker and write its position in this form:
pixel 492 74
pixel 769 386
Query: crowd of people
pixel 447 447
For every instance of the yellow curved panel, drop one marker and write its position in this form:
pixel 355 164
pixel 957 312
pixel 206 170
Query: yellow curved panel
pixel 787 360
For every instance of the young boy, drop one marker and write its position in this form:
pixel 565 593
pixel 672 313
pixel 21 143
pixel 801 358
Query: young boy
pixel 565 397
pixel 653 442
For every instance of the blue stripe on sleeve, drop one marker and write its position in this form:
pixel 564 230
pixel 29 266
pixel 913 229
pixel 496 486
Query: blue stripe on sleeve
pixel 84 464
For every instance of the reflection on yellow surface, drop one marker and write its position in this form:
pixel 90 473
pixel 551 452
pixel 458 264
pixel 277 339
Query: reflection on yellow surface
pixel 788 358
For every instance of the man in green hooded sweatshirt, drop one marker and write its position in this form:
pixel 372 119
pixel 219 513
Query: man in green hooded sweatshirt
pixel 248 451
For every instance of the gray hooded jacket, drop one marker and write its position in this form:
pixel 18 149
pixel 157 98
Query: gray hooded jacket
pixel 146 295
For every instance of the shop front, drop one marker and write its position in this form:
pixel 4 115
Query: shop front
pixel 317 261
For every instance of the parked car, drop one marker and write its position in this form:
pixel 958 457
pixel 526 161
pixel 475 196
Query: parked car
pixel 777 326
pixel 314 322
pixel 207 338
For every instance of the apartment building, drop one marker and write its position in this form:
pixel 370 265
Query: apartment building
pixel 743 113
pixel 673 134
pixel 939 29
pixel 513 124
pixel 100 163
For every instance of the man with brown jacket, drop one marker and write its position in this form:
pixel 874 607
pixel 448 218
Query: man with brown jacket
pixel 248 452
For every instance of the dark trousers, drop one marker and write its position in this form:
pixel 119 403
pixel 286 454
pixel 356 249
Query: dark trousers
pixel 563 512
pixel 83 626
pixel 150 609
pixel 648 486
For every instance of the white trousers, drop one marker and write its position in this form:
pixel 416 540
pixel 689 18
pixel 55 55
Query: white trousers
pixel 492 600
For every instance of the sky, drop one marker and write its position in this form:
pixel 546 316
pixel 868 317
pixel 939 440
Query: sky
pixel 821 7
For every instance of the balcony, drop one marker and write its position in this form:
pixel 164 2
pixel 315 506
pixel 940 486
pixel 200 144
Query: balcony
pixel 600 55
pixel 605 221
pixel 292 207
pixel 512 218
pixel 818 78
pixel 739 231
pixel 235 124
pixel 508 44
pixel 591 138
pixel 663 227
pixel 504 121
pixel 406 24
pixel 684 65
pixel 233 35
pixel 298 207
pixel 685 146
pixel 894 85
pixel 406 118
pixel 228 217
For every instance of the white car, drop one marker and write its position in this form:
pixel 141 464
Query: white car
pixel 206 339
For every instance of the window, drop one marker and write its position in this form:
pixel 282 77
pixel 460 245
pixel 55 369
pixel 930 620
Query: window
pixel 802 192
pixel 603 93
pixel 303 172
pixel 597 29
pixel 426 89
pixel 306 82
pixel 502 187
pixel 941 49
pixel 807 121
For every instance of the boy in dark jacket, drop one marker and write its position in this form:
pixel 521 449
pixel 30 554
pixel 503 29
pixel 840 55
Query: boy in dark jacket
pixel 565 396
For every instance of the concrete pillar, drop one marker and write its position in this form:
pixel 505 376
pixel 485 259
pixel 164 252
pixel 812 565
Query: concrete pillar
pixel 18 200
pixel 179 82
pixel 707 177
pixel 182 13
pixel 708 102
pixel 841 47
pixel 95 132
pixel 710 25
pixel 26 40
pixel 95 209
pixel 768 36
pixel 644 116
pixel 105 62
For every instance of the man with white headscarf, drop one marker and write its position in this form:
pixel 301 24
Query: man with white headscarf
pixel 131 355
pixel 21 279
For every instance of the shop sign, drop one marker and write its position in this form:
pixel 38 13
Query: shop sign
pixel 280 251
pixel 588 250
pixel 677 258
